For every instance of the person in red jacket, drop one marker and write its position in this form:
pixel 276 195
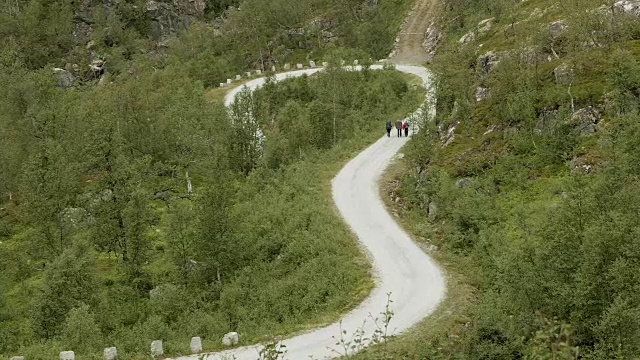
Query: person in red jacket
pixel 405 126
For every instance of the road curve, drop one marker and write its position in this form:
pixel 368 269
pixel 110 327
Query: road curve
pixel 400 268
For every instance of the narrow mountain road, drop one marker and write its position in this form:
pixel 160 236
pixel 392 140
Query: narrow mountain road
pixel 414 282
pixel 409 49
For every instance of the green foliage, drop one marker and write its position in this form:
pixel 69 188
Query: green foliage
pixel 196 228
pixel 69 283
pixel 80 331
pixel 536 212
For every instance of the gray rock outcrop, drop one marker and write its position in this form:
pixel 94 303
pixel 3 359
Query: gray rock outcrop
pixel 586 120
pixel 488 62
pixel 563 74
pixel 64 78
pixel 557 29
pixel 631 7
pixel 482 93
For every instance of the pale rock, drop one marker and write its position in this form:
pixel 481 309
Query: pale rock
pixel 355 62
pixel 258 72
pixel 557 28
pixel 467 38
pixel 433 209
pixel 229 81
pixel 485 25
pixel 238 77
pixel 463 183
pixel 67 355
pixel 91 45
pixel 299 66
pixel 65 79
pixel 488 62
pixel 631 7
pixel 585 120
pixel 223 85
pixel 196 345
pixel 325 64
pixel 230 339
pixel 431 41
pixel 563 74
pixel 287 66
pixel 248 73
pixel 17 358
pixel 273 68
pixel 110 353
pixel 312 64
pixel 156 348
pixel 482 93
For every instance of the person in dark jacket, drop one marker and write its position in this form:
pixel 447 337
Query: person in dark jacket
pixel 405 126
pixel 399 128
pixel 389 128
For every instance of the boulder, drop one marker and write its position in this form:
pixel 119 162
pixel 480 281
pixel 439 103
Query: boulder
pixel 467 38
pixel 273 68
pixel 485 25
pixel 557 29
pixel 432 39
pixel 488 62
pixel 463 183
pixel 312 64
pixel 156 348
pixel 196 345
pixel 110 353
pixel 238 77
pixel 631 7
pixel 563 74
pixel 482 93
pixel 433 209
pixel 230 339
pixel 299 66
pixel 67 355
pixel 64 78
pixel 585 120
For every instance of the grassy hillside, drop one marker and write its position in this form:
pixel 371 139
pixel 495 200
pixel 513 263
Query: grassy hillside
pixel 114 250
pixel 133 208
pixel 526 184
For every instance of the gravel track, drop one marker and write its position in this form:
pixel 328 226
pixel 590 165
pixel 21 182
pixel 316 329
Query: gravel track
pixel 413 280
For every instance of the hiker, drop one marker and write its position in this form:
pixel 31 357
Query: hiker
pixel 399 128
pixel 389 128
pixel 405 126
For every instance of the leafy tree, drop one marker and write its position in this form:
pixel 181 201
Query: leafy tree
pixel 69 283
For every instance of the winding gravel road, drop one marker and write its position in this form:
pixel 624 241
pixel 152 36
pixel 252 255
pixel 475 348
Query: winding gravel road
pixel 400 268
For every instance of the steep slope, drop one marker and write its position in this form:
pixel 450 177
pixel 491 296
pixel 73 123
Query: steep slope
pixel 402 271
pixel 415 30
